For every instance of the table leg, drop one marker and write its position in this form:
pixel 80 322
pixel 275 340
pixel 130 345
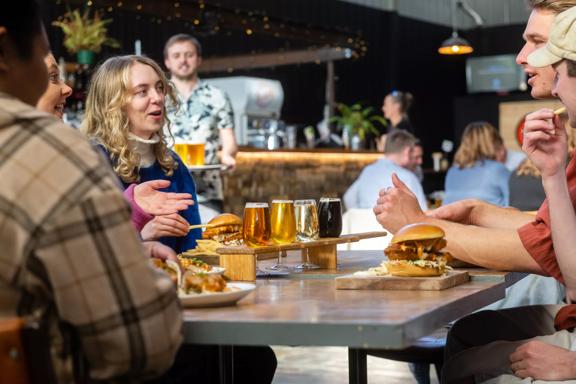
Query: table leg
pixel 357 366
pixel 226 364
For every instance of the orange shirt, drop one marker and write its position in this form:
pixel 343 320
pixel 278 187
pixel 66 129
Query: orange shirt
pixel 537 239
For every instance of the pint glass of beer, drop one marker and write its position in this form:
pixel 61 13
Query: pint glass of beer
pixel 195 153
pixel 191 153
pixel 283 221
pixel 306 227
pixel 256 226
pixel 306 220
pixel 330 217
pixel 182 150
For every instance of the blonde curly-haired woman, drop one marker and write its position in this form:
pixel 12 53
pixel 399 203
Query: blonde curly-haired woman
pixel 125 115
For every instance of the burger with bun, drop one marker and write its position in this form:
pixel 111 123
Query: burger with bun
pixel 415 250
pixel 225 229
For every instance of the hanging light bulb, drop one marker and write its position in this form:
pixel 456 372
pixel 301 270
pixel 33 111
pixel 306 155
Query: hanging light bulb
pixel 455 45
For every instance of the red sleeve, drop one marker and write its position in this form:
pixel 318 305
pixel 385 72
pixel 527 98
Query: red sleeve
pixel 537 239
pixel 139 217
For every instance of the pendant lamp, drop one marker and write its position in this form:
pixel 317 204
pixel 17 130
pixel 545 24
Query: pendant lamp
pixel 455 45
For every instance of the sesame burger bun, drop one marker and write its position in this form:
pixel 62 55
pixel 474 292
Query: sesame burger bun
pixel 419 231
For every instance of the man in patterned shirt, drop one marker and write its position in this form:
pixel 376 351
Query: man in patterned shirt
pixel 204 115
pixel 70 255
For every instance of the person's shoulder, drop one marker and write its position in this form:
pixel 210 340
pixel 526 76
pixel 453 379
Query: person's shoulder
pixel 497 166
pixel 211 88
pixel 213 91
pixel 181 168
pixel 48 131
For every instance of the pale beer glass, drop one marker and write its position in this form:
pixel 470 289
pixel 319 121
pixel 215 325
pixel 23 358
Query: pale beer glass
pixel 283 221
pixel 195 154
pixel 191 153
pixel 182 150
pixel 256 224
pixel 306 227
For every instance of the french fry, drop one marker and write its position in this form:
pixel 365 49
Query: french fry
pixel 560 111
pixel 199 226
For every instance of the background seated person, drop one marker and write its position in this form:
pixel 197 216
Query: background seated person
pixel 125 113
pixel 478 171
pixel 398 158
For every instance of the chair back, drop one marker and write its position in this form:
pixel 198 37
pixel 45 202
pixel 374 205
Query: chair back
pixel 24 353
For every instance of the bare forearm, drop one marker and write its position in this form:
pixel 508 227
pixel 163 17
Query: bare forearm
pixel 563 225
pixel 492 248
pixel 229 145
pixel 492 216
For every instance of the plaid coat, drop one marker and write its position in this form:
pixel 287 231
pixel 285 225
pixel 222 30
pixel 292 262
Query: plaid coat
pixel 69 253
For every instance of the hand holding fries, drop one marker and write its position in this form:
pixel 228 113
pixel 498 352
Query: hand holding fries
pixel 545 141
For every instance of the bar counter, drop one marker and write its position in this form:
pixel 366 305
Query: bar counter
pixel 263 175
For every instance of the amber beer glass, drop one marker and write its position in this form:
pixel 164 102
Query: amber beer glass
pixel 195 153
pixel 330 217
pixel 283 221
pixel 256 226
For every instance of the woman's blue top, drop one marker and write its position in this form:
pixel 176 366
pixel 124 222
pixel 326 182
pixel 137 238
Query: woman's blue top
pixel 486 180
pixel 180 182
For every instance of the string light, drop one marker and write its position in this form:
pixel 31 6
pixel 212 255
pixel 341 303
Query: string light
pixel 250 22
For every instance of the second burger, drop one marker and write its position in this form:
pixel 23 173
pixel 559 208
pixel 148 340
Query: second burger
pixel 416 250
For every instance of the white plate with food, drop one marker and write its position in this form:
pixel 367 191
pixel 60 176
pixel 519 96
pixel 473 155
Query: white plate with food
pixel 196 265
pixel 231 295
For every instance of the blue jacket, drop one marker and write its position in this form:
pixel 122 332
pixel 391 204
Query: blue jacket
pixel 180 182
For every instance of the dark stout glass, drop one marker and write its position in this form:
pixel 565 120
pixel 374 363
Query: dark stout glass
pixel 330 217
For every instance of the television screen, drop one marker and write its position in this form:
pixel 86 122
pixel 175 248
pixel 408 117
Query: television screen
pixel 494 74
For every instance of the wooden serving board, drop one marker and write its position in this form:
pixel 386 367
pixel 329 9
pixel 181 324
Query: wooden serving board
pixel 448 280
pixel 243 249
pixel 240 261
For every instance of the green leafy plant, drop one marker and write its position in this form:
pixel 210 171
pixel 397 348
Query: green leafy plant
pixel 82 32
pixel 360 120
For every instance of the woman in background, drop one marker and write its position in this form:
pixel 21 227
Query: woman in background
pixel 395 109
pixel 478 171
pixel 125 114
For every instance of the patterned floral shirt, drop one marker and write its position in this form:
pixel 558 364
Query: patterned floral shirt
pixel 200 118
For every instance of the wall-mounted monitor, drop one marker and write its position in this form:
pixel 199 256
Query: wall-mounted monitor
pixel 494 74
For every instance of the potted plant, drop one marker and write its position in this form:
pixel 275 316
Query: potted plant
pixel 85 35
pixel 356 122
